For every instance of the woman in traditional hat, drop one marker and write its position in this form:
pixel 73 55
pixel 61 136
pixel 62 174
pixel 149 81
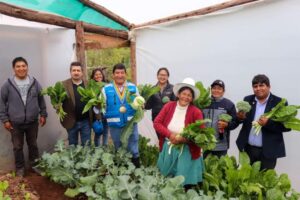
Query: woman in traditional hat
pixel 169 123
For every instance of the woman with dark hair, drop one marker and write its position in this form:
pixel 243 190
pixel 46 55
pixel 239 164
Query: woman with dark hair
pixel 169 123
pixel 157 101
pixel 98 76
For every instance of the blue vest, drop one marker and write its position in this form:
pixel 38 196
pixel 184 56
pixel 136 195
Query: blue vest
pixel 113 115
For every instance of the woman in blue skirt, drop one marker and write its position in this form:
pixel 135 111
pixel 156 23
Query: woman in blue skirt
pixel 169 123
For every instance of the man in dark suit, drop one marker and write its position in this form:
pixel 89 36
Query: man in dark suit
pixel 268 144
pixel 75 122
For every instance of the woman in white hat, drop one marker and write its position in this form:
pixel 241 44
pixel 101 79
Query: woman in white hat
pixel 170 122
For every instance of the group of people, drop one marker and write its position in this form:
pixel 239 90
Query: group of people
pixel 22 108
pixel 169 119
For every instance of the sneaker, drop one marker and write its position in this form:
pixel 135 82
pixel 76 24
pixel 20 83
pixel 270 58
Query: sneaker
pixel 20 172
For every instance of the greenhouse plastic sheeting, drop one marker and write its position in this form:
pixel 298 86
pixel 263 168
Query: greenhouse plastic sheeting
pixel 72 9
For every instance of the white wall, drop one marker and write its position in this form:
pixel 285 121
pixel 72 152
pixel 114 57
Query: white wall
pixel 49 52
pixel 233 45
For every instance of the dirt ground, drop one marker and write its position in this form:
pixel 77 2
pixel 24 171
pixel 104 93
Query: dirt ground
pixel 39 187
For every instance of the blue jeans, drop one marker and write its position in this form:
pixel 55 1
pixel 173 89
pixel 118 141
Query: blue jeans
pixel 104 135
pixel 133 141
pixel 85 133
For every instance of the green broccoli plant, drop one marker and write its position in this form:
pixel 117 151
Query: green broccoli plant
pixel 243 106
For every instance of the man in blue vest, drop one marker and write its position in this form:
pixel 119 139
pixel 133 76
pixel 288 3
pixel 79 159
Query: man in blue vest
pixel 119 112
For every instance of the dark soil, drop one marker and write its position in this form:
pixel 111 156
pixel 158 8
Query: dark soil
pixel 38 187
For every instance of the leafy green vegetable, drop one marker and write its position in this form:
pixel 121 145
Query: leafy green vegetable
pixel 148 90
pixel 92 95
pixel 57 95
pixel 282 113
pixel 203 137
pixel 148 153
pixel 204 100
pixel 243 106
pixel 244 181
pixel 225 117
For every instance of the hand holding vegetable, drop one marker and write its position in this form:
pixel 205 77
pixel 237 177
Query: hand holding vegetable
pixel 224 119
pixel 280 113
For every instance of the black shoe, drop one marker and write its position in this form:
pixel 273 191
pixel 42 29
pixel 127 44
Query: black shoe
pixel 136 162
pixel 20 172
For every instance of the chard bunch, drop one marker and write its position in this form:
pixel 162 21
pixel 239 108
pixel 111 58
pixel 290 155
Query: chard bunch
pixel 203 137
pixel 92 95
pixel 137 103
pixel 147 90
pixel 57 95
pixel 281 113
pixel 204 99
pixel 243 106
pixel 225 118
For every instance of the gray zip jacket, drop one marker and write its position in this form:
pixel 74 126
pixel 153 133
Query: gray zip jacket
pixel 12 107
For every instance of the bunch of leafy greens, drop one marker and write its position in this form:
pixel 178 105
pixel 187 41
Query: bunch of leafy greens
pixel 286 114
pixel 92 95
pixel 225 117
pixel 204 100
pixel 145 92
pixel 148 90
pixel 102 173
pixel 57 95
pixel 244 181
pixel 243 106
pixel 203 137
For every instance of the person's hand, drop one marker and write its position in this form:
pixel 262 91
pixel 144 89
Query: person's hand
pixel 222 124
pixel 241 115
pixel 42 121
pixel 173 139
pixel 8 126
pixel 180 139
pixel 263 120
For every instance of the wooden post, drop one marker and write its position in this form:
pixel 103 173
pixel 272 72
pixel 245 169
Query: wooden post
pixel 133 61
pixel 80 50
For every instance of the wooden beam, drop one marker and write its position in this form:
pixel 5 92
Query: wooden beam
pixel 107 13
pixel 80 50
pixel 133 61
pixel 46 18
pixel 202 11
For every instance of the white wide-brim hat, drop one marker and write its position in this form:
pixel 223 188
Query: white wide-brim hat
pixel 187 82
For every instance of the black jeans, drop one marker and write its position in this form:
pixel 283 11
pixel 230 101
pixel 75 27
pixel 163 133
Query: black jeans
pixel 256 154
pixel 17 136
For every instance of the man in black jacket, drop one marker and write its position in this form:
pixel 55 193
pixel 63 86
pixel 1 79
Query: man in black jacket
pixel 220 105
pixel 268 144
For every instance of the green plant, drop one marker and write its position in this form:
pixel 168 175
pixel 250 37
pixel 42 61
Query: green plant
pixel 148 153
pixel 282 113
pixel 57 95
pixel 244 181
pixel 92 95
pixel 243 106
pixel 204 100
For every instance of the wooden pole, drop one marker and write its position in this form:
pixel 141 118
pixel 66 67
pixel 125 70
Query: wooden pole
pixel 202 11
pixel 80 50
pixel 133 61
pixel 46 18
pixel 107 13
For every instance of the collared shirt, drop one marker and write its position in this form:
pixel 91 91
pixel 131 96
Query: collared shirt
pixel 256 140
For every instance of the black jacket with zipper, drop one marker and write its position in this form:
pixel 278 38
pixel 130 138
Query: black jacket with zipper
pixel 155 103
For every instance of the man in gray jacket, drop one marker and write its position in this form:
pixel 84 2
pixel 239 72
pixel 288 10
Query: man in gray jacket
pixel 20 106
